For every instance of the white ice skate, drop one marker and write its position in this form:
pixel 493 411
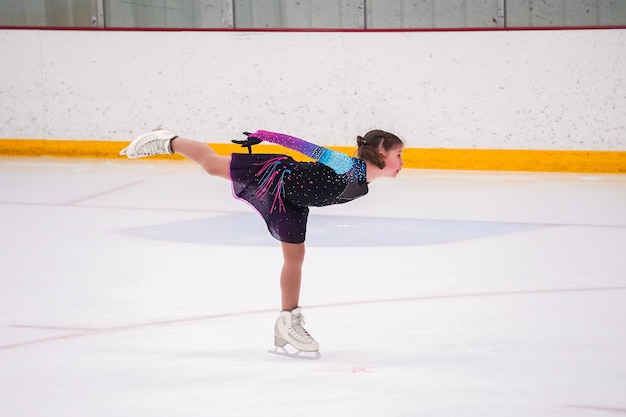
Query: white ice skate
pixel 156 142
pixel 289 330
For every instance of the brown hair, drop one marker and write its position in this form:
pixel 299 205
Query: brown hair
pixel 370 146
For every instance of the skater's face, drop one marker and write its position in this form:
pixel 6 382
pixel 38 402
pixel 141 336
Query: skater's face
pixel 393 161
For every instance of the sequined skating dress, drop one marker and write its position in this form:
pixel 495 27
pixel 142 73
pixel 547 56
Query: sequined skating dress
pixel 282 189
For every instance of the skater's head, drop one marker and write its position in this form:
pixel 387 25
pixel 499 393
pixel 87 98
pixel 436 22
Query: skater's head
pixel 382 149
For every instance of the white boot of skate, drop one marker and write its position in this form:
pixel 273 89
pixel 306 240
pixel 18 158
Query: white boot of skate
pixel 156 142
pixel 289 330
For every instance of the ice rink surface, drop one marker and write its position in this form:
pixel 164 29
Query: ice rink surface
pixel 143 289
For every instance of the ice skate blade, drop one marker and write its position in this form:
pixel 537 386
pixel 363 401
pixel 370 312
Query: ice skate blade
pixel 281 351
pixel 123 151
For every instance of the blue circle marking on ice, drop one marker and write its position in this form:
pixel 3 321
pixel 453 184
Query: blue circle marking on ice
pixel 248 229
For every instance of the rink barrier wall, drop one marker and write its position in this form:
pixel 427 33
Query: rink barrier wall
pixel 418 158
pixel 522 100
pixel 536 89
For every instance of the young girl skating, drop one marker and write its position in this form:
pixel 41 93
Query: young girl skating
pixel 282 190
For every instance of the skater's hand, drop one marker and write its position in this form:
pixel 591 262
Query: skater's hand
pixel 248 142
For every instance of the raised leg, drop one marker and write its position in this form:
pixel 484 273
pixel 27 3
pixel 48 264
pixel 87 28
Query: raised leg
pixel 203 155
pixel 160 142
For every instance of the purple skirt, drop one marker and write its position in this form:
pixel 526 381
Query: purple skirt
pixel 259 180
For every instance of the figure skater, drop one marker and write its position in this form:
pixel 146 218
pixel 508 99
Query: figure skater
pixel 282 190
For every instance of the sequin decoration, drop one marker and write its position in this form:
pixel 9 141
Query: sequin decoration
pixel 339 162
pixel 281 189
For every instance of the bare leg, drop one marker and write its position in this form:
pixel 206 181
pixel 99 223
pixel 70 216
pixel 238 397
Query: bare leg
pixel 293 254
pixel 204 156
pixel 291 274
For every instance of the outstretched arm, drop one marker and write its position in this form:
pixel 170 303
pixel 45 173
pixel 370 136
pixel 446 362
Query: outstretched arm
pixel 339 162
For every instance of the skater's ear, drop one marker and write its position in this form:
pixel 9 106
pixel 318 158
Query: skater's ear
pixel 381 159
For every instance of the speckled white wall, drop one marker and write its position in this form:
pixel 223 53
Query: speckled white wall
pixel 496 90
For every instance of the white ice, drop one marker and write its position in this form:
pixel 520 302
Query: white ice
pixel 143 289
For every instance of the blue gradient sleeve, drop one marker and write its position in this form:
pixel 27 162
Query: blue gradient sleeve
pixel 339 162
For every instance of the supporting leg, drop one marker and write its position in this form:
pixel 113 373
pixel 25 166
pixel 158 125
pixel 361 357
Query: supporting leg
pixel 291 274
pixel 289 327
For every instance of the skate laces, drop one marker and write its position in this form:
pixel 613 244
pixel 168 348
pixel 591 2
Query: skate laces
pixel 297 323
pixel 153 144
